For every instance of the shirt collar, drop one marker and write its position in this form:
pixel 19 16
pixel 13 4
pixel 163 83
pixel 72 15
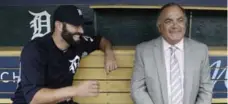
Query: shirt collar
pixel 179 45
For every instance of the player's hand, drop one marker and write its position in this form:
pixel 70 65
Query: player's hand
pixel 110 62
pixel 87 89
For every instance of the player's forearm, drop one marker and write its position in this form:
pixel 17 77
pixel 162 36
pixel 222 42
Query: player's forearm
pixel 49 96
pixel 105 45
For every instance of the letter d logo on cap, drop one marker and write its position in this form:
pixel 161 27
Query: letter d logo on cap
pixel 79 12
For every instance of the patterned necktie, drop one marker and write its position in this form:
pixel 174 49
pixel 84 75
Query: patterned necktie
pixel 175 79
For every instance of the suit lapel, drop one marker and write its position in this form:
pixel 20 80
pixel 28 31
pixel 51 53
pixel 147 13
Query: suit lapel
pixel 187 70
pixel 160 63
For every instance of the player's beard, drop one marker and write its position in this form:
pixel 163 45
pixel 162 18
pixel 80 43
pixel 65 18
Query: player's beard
pixel 69 37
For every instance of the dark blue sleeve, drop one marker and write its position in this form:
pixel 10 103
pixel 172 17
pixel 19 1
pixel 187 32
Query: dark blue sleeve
pixel 32 71
pixel 91 43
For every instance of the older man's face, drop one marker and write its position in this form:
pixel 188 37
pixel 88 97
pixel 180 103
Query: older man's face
pixel 172 24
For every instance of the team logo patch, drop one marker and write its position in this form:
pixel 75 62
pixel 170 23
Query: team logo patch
pixel 74 64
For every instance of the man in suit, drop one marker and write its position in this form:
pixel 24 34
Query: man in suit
pixel 171 69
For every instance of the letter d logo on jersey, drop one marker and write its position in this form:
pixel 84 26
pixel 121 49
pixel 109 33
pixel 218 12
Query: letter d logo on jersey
pixel 74 64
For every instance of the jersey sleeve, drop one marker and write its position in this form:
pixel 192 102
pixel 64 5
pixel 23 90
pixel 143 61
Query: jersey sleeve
pixel 32 72
pixel 91 43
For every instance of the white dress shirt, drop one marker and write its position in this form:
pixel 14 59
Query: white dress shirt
pixel 179 53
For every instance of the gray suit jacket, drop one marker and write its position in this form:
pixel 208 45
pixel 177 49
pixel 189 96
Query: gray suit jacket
pixel 149 83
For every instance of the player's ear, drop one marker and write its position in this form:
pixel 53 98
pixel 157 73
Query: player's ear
pixel 59 26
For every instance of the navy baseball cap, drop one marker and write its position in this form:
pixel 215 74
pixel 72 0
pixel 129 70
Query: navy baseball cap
pixel 70 14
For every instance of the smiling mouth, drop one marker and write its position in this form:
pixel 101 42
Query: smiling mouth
pixel 175 31
pixel 76 37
